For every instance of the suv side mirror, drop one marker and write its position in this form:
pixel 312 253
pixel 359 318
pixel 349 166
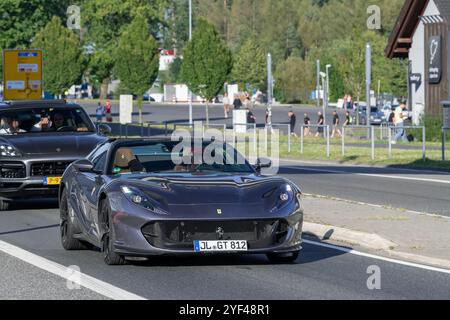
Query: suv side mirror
pixel 104 129
pixel 83 165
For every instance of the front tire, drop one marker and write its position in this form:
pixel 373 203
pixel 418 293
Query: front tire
pixel 4 206
pixel 283 258
pixel 68 241
pixel 109 256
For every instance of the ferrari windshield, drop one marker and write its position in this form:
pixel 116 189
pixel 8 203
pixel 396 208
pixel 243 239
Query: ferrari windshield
pixel 37 120
pixel 173 158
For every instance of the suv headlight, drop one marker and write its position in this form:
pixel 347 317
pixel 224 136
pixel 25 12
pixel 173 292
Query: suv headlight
pixel 139 198
pixel 7 150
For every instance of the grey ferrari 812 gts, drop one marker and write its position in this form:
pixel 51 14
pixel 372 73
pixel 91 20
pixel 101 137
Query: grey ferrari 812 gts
pixel 134 199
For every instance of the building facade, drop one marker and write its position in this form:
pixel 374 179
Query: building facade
pixel 421 35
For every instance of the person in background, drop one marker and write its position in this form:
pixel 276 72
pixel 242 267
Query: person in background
pixel 251 119
pixel 226 105
pixel 307 124
pixel 348 119
pixel 336 123
pixel 292 122
pixel 108 111
pixel 320 123
pixel 99 112
pixel 399 122
pixel 237 103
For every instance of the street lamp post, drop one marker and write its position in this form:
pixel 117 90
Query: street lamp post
pixel 191 120
pixel 328 66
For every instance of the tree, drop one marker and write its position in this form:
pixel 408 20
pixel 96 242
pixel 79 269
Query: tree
pixel 136 59
pixel 294 79
pixel 207 62
pixel 63 62
pixel 250 66
pixel 20 20
pixel 103 23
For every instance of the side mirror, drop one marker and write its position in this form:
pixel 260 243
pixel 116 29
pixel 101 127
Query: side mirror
pixel 83 165
pixel 263 163
pixel 104 129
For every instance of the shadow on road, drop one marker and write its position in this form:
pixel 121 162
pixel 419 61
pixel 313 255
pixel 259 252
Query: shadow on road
pixel 35 204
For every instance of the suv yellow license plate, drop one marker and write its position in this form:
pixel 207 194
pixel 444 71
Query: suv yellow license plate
pixel 220 246
pixel 52 181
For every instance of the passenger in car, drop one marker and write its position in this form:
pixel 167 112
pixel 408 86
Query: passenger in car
pixel 12 127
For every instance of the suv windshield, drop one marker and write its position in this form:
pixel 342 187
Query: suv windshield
pixel 36 120
pixel 166 158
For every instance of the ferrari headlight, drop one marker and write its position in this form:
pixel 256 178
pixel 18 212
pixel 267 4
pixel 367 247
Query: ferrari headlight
pixel 139 198
pixel 7 150
pixel 285 196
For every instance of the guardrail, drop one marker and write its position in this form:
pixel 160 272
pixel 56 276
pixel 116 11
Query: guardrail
pixel 444 140
pixel 326 134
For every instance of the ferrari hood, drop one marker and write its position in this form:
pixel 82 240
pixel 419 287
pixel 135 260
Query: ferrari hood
pixel 190 190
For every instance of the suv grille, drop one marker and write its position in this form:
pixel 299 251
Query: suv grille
pixel 56 168
pixel 12 170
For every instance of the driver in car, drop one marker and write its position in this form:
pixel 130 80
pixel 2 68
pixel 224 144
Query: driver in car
pixel 43 125
pixel 58 121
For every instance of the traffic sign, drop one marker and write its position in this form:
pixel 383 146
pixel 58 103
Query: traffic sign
pixel 22 74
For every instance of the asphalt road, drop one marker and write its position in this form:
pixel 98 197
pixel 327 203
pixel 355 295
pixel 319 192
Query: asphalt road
pixel 421 191
pixel 320 273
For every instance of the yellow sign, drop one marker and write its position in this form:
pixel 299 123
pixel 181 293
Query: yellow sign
pixel 22 74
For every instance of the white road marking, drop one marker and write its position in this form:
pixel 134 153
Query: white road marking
pixel 372 175
pixel 428 214
pixel 372 256
pixel 81 279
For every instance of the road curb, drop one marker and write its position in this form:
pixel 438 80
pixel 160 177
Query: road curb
pixel 368 241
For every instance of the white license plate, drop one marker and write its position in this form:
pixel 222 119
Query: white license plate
pixel 220 246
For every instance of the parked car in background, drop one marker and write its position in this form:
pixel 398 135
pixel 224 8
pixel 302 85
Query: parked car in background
pixel 377 116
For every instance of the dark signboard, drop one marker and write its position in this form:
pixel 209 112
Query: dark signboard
pixel 435 60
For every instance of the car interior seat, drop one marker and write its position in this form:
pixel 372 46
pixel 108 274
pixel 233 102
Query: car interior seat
pixel 126 161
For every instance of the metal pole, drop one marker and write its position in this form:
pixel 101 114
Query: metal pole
pixel 343 141
pixel 289 138
pixel 269 90
pixel 373 142
pixel 302 137
pixel 324 112
pixel 368 80
pixel 328 84
pixel 390 142
pixel 328 141
pixel 266 146
pixel 424 143
pixel 190 38
pixel 318 84
pixel 443 143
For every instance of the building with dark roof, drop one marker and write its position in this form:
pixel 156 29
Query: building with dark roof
pixel 421 35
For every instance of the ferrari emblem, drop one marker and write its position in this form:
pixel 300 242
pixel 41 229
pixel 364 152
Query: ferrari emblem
pixel 219 212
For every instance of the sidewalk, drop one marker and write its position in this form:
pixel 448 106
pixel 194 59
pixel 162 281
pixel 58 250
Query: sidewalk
pixel 403 234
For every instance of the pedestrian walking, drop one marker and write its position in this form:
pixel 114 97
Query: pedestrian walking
pixel 348 119
pixel 320 124
pixel 99 112
pixel 399 122
pixel 292 122
pixel 307 124
pixel 336 123
pixel 226 105
pixel 108 111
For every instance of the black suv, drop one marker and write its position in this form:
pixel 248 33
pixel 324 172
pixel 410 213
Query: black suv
pixel 38 141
